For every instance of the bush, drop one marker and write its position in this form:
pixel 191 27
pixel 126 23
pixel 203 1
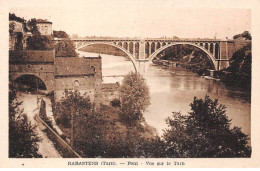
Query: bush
pixel 65 48
pixel 135 97
pixel 40 42
pixel 205 132
pixel 23 138
pixel 115 102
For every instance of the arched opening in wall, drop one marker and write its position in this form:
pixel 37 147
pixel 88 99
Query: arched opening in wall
pixel 131 47
pixel 125 45
pixel 186 56
pixel 153 47
pixel 158 45
pixel 136 53
pixel 30 83
pixel 120 44
pixel 207 46
pixel 115 61
pixel 146 49
pixel 163 44
pixel 211 47
pixel 217 51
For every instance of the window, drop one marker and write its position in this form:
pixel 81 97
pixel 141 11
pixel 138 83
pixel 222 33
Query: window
pixel 76 83
pixel 93 68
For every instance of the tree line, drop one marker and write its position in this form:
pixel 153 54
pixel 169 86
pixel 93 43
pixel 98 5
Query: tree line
pixel 204 132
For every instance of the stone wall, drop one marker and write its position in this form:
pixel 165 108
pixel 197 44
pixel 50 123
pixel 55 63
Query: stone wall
pixel 85 85
pixel 110 91
pixel 97 64
pixel 37 63
pixel 45 28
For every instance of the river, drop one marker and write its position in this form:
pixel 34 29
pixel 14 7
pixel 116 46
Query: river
pixel 174 90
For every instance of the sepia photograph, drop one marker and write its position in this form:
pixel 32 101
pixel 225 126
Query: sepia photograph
pixel 116 80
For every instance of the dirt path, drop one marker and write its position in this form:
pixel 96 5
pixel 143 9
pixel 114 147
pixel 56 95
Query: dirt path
pixel 46 147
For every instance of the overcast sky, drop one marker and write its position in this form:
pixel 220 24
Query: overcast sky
pixel 125 18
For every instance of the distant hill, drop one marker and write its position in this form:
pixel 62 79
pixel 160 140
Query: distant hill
pixel 104 49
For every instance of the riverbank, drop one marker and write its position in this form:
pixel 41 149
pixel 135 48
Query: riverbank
pixel 103 49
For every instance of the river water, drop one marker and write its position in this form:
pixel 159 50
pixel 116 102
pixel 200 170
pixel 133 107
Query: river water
pixel 174 90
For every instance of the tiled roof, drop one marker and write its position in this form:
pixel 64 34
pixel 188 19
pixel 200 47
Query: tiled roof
pixel 42 21
pixel 72 66
pixel 28 56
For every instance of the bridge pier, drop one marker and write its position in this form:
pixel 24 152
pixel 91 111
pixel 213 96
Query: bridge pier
pixel 142 50
pixel 142 67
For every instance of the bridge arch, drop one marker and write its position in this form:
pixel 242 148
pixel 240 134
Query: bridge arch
pixel 116 46
pixel 209 55
pixel 31 81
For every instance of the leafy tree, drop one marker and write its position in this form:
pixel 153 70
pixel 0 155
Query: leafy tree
pixel 205 132
pixel 73 103
pixel 65 48
pixel 60 34
pixel 40 42
pixel 11 28
pixel 23 139
pixel 239 69
pixel 245 35
pixel 32 24
pixel 135 97
pixel 13 17
pixel 96 134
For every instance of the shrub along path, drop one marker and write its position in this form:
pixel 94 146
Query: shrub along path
pixel 46 147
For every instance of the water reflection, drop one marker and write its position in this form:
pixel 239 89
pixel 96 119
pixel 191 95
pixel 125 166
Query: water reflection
pixel 174 91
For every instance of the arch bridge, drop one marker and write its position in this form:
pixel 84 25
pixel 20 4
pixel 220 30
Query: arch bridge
pixel 143 51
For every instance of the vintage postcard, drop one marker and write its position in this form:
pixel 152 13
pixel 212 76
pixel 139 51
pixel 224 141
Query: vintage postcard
pixel 109 83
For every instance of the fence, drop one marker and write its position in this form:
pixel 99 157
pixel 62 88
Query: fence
pixel 63 147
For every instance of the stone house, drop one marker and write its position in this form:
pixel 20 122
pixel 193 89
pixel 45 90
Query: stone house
pixel 44 27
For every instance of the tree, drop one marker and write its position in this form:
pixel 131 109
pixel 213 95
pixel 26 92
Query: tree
pixel 32 24
pixel 65 48
pixel 99 134
pixel 13 17
pixel 245 35
pixel 60 34
pixel 40 42
pixel 23 139
pixel 74 104
pixel 205 132
pixel 135 97
pixel 240 69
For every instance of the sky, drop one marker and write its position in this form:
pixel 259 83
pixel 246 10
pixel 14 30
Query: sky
pixel 142 18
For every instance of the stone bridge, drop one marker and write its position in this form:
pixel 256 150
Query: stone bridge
pixel 143 51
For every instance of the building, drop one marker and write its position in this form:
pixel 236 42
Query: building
pixel 80 74
pixel 17 35
pixel 44 27
pixel 58 74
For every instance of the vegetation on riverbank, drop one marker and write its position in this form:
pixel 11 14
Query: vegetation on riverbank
pixel 204 132
pixel 23 138
pixel 110 131
pixel 188 57
pixel 103 49
pixel 239 72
